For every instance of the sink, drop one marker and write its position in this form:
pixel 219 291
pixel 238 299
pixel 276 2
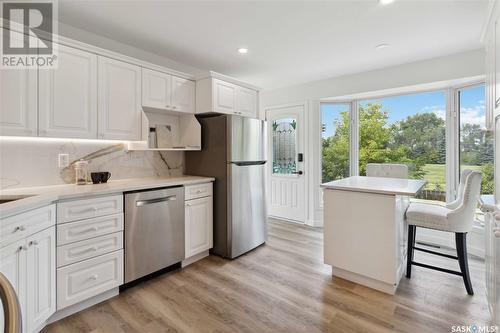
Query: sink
pixel 9 198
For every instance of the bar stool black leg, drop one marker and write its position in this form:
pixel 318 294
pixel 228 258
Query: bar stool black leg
pixel 411 244
pixel 461 242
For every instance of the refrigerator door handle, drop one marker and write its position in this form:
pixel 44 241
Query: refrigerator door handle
pixel 245 163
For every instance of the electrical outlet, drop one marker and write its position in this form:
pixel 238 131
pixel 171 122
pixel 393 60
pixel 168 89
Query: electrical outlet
pixel 63 160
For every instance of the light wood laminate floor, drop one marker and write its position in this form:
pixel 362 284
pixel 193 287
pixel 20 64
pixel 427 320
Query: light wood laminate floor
pixel 284 286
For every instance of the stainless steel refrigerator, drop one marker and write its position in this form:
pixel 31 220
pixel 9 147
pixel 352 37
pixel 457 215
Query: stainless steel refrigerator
pixel 234 152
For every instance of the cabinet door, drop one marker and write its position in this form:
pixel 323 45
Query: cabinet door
pixel 13 266
pixel 68 96
pixel 18 99
pixel 183 95
pixel 199 226
pixel 41 278
pixel 119 100
pixel 246 102
pixel 224 97
pixel 18 104
pixel 156 87
pixel 497 63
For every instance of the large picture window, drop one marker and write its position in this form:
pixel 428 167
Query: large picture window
pixel 476 143
pixel 407 129
pixel 335 141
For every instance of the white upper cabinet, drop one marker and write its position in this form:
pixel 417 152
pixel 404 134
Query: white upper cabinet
pixel 246 102
pixel 224 97
pixel 166 92
pixel 18 100
pixel 156 88
pixel 68 96
pixel 183 95
pixel 119 100
pixel 219 96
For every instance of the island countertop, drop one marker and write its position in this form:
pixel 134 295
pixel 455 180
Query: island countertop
pixel 377 185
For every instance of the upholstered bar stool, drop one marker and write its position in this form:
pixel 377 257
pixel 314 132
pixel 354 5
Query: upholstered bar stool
pixel 387 170
pixel 456 217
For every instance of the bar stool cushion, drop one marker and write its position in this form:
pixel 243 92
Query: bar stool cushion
pixel 429 216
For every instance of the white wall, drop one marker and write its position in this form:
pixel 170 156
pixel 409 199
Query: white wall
pixel 423 73
pixel 129 50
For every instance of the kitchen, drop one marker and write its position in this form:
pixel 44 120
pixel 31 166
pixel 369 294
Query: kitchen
pixel 172 183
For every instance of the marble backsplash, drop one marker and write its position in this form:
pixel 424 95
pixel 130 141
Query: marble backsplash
pixel 35 162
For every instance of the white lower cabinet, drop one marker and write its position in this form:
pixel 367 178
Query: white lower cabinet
pixel 30 266
pixel 41 264
pixel 89 249
pixel 83 280
pixel 198 223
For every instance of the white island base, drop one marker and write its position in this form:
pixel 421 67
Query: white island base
pixel 365 232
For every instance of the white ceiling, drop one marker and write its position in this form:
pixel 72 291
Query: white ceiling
pixel 288 42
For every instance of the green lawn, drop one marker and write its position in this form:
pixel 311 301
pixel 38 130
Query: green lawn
pixel 435 174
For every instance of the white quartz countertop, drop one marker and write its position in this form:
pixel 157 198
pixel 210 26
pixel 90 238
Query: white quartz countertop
pixel 43 195
pixel 377 185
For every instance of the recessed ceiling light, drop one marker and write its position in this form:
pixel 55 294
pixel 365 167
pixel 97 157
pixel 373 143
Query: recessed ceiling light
pixel 381 46
pixel 385 2
pixel 243 50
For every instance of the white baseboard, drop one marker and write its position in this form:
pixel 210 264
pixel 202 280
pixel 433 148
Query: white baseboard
pixel 196 257
pixel 364 280
pixel 83 305
pixel 315 223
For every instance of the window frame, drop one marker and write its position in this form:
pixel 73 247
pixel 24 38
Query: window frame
pixel 452 130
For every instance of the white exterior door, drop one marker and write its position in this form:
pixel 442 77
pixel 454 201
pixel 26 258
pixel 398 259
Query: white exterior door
pixel 286 181
pixel 41 266
pixel 68 96
pixel 119 100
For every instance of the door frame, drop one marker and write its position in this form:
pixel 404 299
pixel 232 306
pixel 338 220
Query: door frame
pixel 305 150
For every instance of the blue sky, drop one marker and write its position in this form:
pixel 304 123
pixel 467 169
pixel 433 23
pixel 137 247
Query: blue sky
pixel 400 107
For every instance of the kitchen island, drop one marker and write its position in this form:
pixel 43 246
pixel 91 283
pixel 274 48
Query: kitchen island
pixel 365 231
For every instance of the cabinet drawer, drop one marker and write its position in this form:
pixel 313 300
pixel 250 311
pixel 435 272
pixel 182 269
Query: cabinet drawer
pixel 24 224
pixel 90 228
pixel 83 280
pixel 86 208
pixel 197 191
pixel 90 248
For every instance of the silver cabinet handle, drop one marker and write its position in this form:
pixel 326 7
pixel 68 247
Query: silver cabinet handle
pixel 19 228
pixel 153 201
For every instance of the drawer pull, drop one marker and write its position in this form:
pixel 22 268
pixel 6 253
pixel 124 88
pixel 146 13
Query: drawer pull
pixel 90 249
pixel 22 247
pixel 93 277
pixel 19 228
pixel 85 230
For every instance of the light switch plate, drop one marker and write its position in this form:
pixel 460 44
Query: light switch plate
pixel 63 160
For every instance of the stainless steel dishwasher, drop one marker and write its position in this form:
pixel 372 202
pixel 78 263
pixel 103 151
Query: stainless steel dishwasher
pixel 154 231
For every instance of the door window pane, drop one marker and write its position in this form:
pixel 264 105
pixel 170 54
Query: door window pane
pixel 476 143
pixel 335 141
pixel 284 146
pixel 407 129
